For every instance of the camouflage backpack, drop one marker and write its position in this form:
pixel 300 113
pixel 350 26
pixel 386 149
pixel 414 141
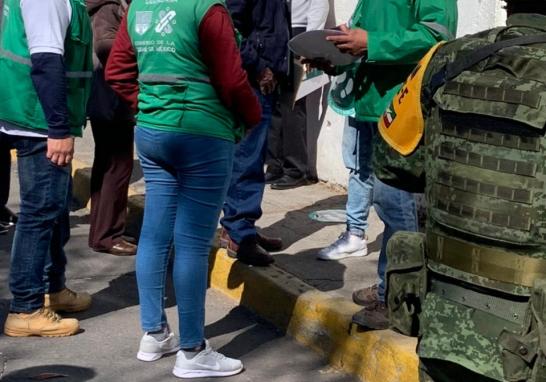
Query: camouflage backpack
pixel 473 287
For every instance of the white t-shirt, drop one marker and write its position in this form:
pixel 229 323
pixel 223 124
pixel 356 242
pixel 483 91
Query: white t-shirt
pixel 310 14
pixel 46 23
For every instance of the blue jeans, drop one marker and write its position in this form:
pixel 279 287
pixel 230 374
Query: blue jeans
pixel 398 211
pixel 38 259
pixel 357 156
pixel 186 182
pixel 243 204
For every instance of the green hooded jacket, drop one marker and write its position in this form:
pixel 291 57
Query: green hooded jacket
pixel 400 32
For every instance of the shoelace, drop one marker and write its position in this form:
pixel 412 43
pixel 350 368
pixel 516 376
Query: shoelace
pixel 215 354
pixel 71 293
pixel 50 315
pixel 340 239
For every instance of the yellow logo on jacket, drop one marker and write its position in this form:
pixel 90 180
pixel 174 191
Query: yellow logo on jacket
pixel 402 125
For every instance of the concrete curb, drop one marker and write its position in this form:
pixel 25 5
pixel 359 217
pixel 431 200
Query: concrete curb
pixel 319 320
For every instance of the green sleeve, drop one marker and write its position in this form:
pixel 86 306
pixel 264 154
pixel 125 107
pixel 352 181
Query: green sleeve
pixel 407 46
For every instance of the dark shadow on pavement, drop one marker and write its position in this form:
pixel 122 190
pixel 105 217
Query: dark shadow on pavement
pixel 297 225
pixel 63 373
pixel 251 336
pixel 121 293
pixel 323 275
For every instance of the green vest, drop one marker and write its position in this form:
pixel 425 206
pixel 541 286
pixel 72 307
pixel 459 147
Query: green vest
pixel 175 91
pixel 19 103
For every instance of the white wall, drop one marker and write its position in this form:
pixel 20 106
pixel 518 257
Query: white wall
pixel 474 15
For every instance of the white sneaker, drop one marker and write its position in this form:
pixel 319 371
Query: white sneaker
pixel 207 363
pixel 347 245
pixel 151 349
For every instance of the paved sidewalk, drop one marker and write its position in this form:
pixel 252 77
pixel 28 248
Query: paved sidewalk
pixel 286 214
pixel 106 349
pixel 306 298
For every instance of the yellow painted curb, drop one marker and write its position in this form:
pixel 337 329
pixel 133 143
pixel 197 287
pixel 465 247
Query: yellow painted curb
pixel 318 320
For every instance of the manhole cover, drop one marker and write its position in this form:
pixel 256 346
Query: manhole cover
pixel 329 216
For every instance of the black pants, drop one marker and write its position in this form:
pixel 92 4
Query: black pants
pixel 110 177
pixel 5 168
pixel 287 147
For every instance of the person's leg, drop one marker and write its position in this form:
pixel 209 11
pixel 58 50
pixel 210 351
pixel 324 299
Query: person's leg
pixel 294 140
pixel 357 155
pixel 203 177
pixel 244 198
pixel 157 229
pixel 274 157
pixel 44 189
pixel 357 152
pixel 397 209
pixel 54 271
pixel 110 178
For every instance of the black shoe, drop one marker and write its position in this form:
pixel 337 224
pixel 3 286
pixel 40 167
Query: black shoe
pixel 7 217
pixel 287 182
pixel 272 177
pixel 271 244
pixel 251 253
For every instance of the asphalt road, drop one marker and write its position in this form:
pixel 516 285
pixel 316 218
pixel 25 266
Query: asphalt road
pixel 106 349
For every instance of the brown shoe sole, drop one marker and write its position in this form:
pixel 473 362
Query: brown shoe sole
pixel 227 244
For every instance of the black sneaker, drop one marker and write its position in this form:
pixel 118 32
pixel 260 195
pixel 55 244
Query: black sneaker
pixel 251 253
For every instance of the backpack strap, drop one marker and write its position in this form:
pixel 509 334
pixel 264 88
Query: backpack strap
pixel 453 69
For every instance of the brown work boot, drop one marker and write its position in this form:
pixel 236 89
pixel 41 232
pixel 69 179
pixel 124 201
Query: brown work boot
pixel 67 301
pixel 43 322
pixel 366 296
pixel 373 316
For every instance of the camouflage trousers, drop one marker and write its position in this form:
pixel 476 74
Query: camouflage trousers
pixel 434 370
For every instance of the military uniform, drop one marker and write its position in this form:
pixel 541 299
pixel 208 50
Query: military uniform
pixel 473 287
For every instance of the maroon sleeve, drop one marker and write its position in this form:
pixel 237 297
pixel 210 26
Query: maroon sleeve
pixel 221 55
pixel 122 69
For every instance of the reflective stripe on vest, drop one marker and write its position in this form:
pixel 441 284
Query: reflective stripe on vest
pixel 27 62
pixel 492 263
pixel 513 311
pixel 168 79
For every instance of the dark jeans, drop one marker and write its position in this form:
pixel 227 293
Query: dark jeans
pixel 5 168
pixel 287 146
pixel 112 168
pixel 186 183
pixel 38 260
pixel 243 204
